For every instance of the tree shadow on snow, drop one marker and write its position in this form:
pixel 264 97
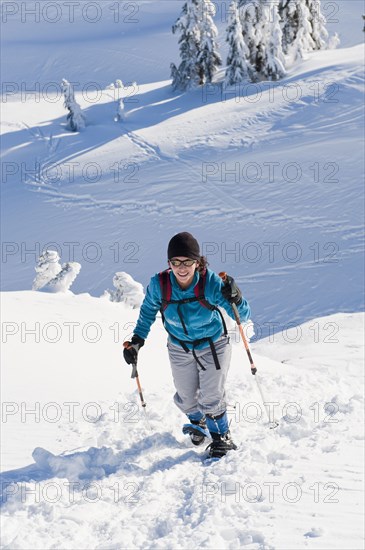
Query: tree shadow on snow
pixel 50 142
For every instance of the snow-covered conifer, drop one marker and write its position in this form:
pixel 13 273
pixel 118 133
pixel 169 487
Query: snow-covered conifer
pixel 262 34
pixel 187 25
pixel 48 268
pixel 76 118
pixel 289 16
pixel 175 76
pixel 238 65
pixel 318 22
pixel 250 13
pixel 208 58
pixel 303 26
pixel 272 58
pixel 120 114
pixel 127 290
pixel 65 278
pixel 51 276
pixel 296 27
pixel 199 57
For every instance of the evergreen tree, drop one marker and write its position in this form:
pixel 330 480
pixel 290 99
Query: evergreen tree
pixel 272 58
pixel 76 118
pixel 120 114
pixel 250 13
pixel 303 26
pixel 208 58
pixel 48 267
pixel 289 16
pixel 175 76
pixel 263 36
pixel 53 277
pixel 296 27
pixel 186 75
pixel 318 21
pixel 199 57
pixel 127 290
pixel 238 65
pixel 65 278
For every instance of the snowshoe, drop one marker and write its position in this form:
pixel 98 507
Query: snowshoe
pixel 197 431
pixel 220 445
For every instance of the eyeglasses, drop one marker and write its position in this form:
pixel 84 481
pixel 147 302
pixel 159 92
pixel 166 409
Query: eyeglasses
pixel 186 263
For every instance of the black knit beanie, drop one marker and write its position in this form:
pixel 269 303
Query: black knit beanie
pixel 183 244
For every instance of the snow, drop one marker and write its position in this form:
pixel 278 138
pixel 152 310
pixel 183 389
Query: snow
pixel 98 477
pixel 248 175
pixel 269 178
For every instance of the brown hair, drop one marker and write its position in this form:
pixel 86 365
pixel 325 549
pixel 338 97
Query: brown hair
pixel 203 264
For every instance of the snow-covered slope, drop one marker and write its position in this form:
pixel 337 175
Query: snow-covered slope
pixel 269 180
pixel 111 482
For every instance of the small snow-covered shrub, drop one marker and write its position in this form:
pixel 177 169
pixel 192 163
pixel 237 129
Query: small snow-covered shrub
pixel 127 290
pixel 51 276
pixel 75 118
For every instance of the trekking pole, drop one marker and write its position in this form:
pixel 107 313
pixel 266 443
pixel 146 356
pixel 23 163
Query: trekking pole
pixel 136 376
pixel 273 423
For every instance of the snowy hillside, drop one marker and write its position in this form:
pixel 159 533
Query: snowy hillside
pixel 269 178
pixel 111 482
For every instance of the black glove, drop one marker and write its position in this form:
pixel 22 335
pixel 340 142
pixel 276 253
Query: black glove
pixel 131 349
pixel 231 292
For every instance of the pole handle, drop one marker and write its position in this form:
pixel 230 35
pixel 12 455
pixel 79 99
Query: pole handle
pixel 134 374
pixel 223 276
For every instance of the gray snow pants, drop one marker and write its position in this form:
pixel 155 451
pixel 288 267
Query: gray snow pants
pixel 198 389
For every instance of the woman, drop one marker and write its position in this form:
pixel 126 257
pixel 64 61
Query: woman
pixel 188 295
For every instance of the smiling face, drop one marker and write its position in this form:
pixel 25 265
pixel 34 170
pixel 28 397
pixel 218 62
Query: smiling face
pixel 184 274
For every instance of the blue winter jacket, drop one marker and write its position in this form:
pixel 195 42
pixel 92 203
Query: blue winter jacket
pixel 199 320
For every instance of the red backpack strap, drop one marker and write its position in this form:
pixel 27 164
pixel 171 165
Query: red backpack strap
pixel 200 288
pixel 166 288
pixel 199 293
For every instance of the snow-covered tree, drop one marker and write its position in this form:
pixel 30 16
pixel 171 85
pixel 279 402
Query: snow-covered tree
pixel 177 83
pixel 120 115
pixel 127 290
pixel 250 13
pixel 262 34
pixel 76 118
pixel 117 88
pixel 65 278
pixel 187 25
pixel 238 64
pixel 51 276
pixel 289 16
pixel 48 268
pixel 303 26
pixel 208 58
pixel 272 58
pixel 318 22
pixel 296 27
pixel 199 57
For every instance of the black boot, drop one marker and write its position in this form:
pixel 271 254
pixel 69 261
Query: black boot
pixel 197 437
pixel 220 445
